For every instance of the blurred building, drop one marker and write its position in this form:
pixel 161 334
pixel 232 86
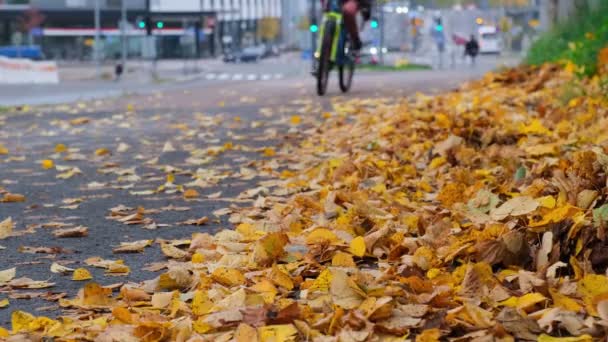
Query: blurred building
pixel 182 28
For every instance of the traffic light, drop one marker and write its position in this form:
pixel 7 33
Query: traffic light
pixel 479 21
pixel 160 25
pixel 314 28
pixel 141 24
pixel 374 24
pixel 438 25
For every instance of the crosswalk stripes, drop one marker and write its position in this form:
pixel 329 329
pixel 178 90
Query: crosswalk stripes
pixel 214 76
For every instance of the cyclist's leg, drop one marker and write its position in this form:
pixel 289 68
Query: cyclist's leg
pixel 349 10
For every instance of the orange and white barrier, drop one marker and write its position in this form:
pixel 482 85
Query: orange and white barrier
pixel 26 71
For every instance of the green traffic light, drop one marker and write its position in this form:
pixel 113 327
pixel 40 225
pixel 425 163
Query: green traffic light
pixel 160 25
pixel 141 24
pixel 314 28
pixel 374 24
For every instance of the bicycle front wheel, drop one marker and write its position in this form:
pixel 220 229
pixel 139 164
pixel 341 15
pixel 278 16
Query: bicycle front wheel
pixel 346 72
pixel 325 57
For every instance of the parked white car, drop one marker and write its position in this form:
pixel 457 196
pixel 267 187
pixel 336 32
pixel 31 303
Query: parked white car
pixel 489 40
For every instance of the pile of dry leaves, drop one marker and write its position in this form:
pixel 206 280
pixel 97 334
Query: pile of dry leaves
pixel 475 215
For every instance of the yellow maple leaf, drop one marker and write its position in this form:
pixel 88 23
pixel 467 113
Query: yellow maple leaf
pixel 534 127
pixel 228 276
pixel 322 282
pixel 123 315
pixel 321 235
pixel 245 333
pixel 4 333
pixel 102 151
pixel 562 301
pixel 201 304
pixel 429 335
pixel 197 258
pixel 81 274
pixel 357 246
pixel 60 148
pixel 278 333
pixel 547 338
pixel 281 278
pixel 20 321
pixel 295 120
pixel 269 152
pixel 342 259
pixel 266 289
pixel 524 302
pixel 47 164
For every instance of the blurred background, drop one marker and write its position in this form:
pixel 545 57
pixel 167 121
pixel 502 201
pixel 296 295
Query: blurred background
pixel 65 30
pixel 190 35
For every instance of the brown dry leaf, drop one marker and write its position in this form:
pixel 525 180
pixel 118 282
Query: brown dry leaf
pixel 7 275
pixel 514 207
pixel 132 247
pixel 191 193
pixel 344 291
pixel 172 252
pixel 57 268
pixel 270 248
pixel 12 198
pixel 6 228
pixel 71 232
pixel 197 222
pixel 80 121
pixel 245 333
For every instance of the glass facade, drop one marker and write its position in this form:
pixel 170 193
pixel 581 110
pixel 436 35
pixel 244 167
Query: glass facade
pixel 67 31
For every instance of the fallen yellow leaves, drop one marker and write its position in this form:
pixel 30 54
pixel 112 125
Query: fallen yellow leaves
pixel 474 215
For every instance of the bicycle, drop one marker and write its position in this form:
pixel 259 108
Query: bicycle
pixel 333 50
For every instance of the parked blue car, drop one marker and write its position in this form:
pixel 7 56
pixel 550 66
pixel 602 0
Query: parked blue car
pixel 31 51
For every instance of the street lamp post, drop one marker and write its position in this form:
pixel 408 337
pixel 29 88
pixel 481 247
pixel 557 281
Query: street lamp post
pixel 96 52
pixel 123 33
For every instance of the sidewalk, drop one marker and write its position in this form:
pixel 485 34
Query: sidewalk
pixel 79 82
pixel 137 68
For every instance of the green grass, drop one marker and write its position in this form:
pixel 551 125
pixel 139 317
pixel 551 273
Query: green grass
pixel 406 67
pixel 578 40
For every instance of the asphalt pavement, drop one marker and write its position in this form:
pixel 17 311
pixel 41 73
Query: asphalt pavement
pixel 137 151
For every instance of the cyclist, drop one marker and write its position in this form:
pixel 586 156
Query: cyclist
pixel 350 9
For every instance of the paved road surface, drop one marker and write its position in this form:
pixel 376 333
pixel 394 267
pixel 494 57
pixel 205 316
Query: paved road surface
pixel 177 131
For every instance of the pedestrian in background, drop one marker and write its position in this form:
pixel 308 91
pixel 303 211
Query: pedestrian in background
pixel 471 49
pixel 118 69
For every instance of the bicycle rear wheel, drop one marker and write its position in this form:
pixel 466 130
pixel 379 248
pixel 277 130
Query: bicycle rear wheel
pixel 347 70
pixel 325 57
